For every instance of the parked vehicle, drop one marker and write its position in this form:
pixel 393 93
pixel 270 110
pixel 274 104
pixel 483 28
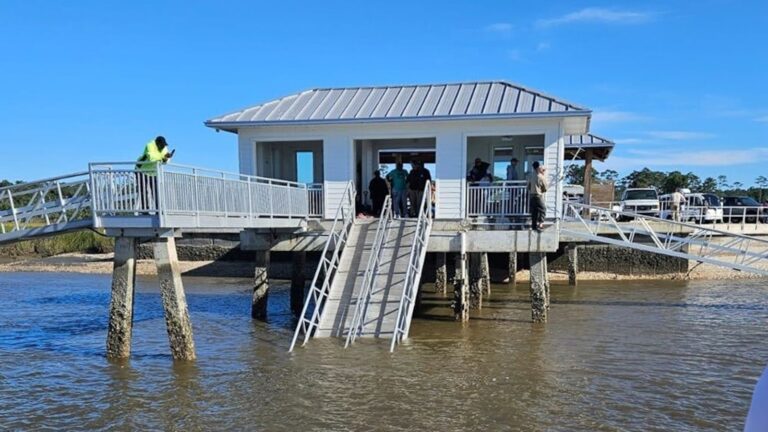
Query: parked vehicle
pixel 698 207
pixel 743 208
pixel 643 201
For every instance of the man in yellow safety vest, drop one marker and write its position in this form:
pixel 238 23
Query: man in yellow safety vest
pixel 155 152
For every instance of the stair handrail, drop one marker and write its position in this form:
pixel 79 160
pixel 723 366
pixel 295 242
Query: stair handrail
pixel 371 270
pixel 342 225
pixel 413 273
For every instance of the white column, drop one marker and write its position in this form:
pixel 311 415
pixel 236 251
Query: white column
pixel 449 173
pixel 339 163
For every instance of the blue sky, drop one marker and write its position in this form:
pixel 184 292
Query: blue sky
pixel 677 86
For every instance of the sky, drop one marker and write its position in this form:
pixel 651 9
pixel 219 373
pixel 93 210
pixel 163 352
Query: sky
pixel 678 85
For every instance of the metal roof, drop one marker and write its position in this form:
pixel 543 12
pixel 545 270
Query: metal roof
pixel 487 99
pixel 576 144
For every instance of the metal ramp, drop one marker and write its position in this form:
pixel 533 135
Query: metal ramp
pixel 375 280
pixel 45 207
pixel 677 239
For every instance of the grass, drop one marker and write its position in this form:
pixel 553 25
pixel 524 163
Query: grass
pixel 85 241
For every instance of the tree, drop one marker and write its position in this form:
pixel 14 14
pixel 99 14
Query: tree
pixel 609 175
pixel 738 186
pixel 708 185
pixel 722 182
pixel 644 178
pixel 762 182
pixel 575 174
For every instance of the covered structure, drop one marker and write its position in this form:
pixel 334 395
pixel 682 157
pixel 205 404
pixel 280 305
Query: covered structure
pixel 587 147
pixel 344 134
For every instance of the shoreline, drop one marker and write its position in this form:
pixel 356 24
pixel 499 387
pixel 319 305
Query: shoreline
pixel 102 264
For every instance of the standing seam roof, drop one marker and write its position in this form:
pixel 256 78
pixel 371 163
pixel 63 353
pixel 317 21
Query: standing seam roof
pixel 485 98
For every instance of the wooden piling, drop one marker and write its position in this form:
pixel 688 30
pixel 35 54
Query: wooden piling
pixel 512 269
pixel 573 263
pixel 177 319
pixel 476 288
pixel 485 274
pixel 121 304
pixel 260 286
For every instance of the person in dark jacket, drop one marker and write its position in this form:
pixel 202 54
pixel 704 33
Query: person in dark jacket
pixel 379 190
pixel 479 170
pixel 417 181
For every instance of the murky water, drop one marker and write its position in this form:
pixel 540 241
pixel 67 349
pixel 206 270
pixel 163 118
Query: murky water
pixel 614 356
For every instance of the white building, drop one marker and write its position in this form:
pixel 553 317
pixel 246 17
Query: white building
pixel 347 133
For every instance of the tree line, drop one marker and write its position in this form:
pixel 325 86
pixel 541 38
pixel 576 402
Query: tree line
pixel 668 182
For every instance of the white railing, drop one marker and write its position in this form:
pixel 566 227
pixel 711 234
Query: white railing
pixel 413 274
pixel 498 199
pixel 366 289
pixel 316 200
pixel 52 201
pixel 326 269
pixel 678 239
pixel 119 189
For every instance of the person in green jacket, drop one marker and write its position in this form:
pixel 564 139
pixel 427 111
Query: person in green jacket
pixel 155 152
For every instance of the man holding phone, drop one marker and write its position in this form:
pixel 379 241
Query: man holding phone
pixel 155 152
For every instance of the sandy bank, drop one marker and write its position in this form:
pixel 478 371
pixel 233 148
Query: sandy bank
pixel 102 264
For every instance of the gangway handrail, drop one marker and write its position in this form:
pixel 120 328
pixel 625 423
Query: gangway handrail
pixel 413 273
pixel 371 270
pixel 342 225
pixel 744 251
pixel 45 180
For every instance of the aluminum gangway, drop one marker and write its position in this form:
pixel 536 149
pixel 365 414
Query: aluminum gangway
pixel 45 207
pixel 688 241
pixel 117 196
pixel 374 280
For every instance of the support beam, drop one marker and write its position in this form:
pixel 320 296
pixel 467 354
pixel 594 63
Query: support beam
pixel 298 281
pixel 460 290
pixel 475 281
pixel 174 301
pixel 441 272
pixel 121 304
pixel 588 155
pixel 539 287
pixel 260 286
pixel 573 263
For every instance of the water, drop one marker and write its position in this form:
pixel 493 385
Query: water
pixel 614 356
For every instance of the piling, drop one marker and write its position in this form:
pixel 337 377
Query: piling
pixel 573 263
pixel 485 274
pixel 476 288
pixel 460 290
pixel 121 305
pixel 260 286
pixel 177 319
pixel 441 273
pixel 539 287
pixel 512 269
pixel 298 282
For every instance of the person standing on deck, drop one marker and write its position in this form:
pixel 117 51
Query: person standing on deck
pixel 478 171
pixel 155 152
pixel 512 170
pixel 537 189
pixel 677 202
pixel 397 182
pixel 379 190
pixel 417 181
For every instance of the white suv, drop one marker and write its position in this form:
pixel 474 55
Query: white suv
pixel 643 201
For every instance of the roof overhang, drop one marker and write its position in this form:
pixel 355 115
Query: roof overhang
pixel 577 147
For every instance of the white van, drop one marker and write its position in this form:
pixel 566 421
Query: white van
pixel 699 208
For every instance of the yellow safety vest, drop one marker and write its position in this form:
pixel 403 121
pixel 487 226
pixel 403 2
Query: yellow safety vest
pixel 148 161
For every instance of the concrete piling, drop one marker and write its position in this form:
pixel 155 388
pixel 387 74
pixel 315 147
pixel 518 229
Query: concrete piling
pixel 260 286
pixel 512 269
pixel 460 290
pixel 485 274
pixel 441 275
pixel 177 319
pixel 476 287
pixel 121 305
pixel 298 282
pixel 573 263
pixel 539 287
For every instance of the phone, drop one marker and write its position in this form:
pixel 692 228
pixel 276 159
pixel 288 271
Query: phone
pixel 170 155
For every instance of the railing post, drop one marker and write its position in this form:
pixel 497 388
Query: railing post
pixel 195 178
pixel 13 210
pixel 271 199
pixel 224 194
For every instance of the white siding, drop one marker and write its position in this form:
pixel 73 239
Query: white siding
pixel 552 154
pixel 246 151
pixel 449 174
pixel 339 163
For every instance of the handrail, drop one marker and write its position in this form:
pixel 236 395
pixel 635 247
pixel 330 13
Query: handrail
pixel 413 273
pixel 342 225
pixel 364 295
pixel 45 180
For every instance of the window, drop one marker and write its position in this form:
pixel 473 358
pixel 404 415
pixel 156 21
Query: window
pixel 305 167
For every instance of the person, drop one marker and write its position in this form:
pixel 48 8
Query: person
pixel 677 202
pixel 478 171
pixel 512 170
pixel 417 181
pixel 155 152
pixel 397 184
pixel 379 190
pixel 537 189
